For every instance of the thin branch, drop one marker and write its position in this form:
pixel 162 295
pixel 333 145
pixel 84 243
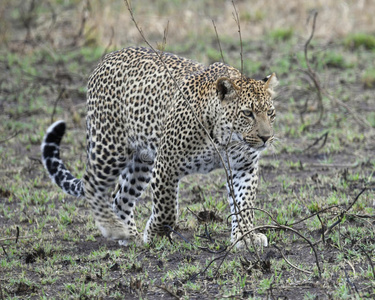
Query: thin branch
pixel 168 291
pixel 355 200
pixel 165 34
pixel 323 228
pixel 369 260
pixel 110 41
pixel 324 137
pixel 9 138
pixel 84 17
pixel 1 292
pixel 17 234
pixel 218 41
pixel 284 228
pixel 342 215
pixel 289 263
pixel 237 19
pixel 351 284
pixel 254 208
pixel 55 104
pixel 357 117
pixel 193 277
pixel 16 238
pixel 311 73
pixel 198 217
pixel 5 252
pixel 314 214
pixel 188 242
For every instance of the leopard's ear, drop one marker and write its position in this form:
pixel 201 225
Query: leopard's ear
pixel 270 83
pixel 225 88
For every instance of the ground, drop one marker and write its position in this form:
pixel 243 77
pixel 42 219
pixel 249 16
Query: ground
pixel 316 193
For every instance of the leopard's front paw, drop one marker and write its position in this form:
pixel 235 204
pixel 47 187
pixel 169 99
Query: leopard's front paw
pixel 150 233
pixel 259 240
pixel 154 230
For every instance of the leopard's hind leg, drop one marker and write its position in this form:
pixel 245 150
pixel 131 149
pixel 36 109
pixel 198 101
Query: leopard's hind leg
pixel 133 181
pixel 105 160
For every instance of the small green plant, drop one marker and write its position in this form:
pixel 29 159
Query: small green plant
pixel 281 34
pixel 213 55
pixel 251 66
pixel 368 78
pixel 265 284
pixel 343 291
pixel 310 296
pixel 332 59
pixel 65 218
pixel 249 16
pixel 358 40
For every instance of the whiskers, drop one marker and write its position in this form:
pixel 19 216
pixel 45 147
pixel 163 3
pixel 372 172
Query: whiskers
pixel 274 146
pixel 242 146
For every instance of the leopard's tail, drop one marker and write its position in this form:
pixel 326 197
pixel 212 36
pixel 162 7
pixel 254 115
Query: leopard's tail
pixel 54 165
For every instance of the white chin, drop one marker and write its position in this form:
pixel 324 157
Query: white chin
pixel 261 148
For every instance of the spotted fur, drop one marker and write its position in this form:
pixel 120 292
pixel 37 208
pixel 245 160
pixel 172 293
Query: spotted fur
pixel 145 116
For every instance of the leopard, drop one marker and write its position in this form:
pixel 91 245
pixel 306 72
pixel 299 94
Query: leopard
pixel 155 117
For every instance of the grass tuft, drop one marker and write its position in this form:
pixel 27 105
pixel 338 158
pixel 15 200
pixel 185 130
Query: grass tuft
pixel 281 34
pixel 368 79
pixel 358 40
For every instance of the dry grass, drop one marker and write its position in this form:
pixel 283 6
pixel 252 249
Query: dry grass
pixel 109 22
pixel 188 19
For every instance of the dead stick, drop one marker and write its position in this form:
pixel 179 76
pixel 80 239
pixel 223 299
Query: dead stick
pixel 285 228
pixel 289 263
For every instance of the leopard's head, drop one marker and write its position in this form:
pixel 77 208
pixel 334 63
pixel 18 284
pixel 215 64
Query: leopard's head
pixel 248 108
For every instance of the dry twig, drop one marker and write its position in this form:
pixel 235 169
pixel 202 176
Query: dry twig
pixel 168 291
pixel 289 263
pixel 320 91
pixel 324 137
pixel 311 73
pixel 284 228
pixel 10 137
pixel 16 238
pixel 369 260
pixel 110 41
pixel 56 102
pixel 357 117
pixel 341 216
pixel 218 41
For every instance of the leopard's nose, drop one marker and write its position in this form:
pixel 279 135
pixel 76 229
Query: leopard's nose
pixel 264 138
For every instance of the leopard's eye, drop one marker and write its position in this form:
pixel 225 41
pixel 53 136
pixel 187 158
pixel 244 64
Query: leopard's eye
pixel 248 113
pixel 270 112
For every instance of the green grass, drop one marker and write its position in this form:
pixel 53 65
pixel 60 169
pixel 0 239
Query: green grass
pixel 281 34
pixel 360 40
pixel 368 78
pixel 332 59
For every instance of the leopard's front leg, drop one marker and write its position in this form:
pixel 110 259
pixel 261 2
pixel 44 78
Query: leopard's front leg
pixel 243 186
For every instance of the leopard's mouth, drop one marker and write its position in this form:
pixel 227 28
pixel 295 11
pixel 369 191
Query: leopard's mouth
pixel 249 144
pixel 260 146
